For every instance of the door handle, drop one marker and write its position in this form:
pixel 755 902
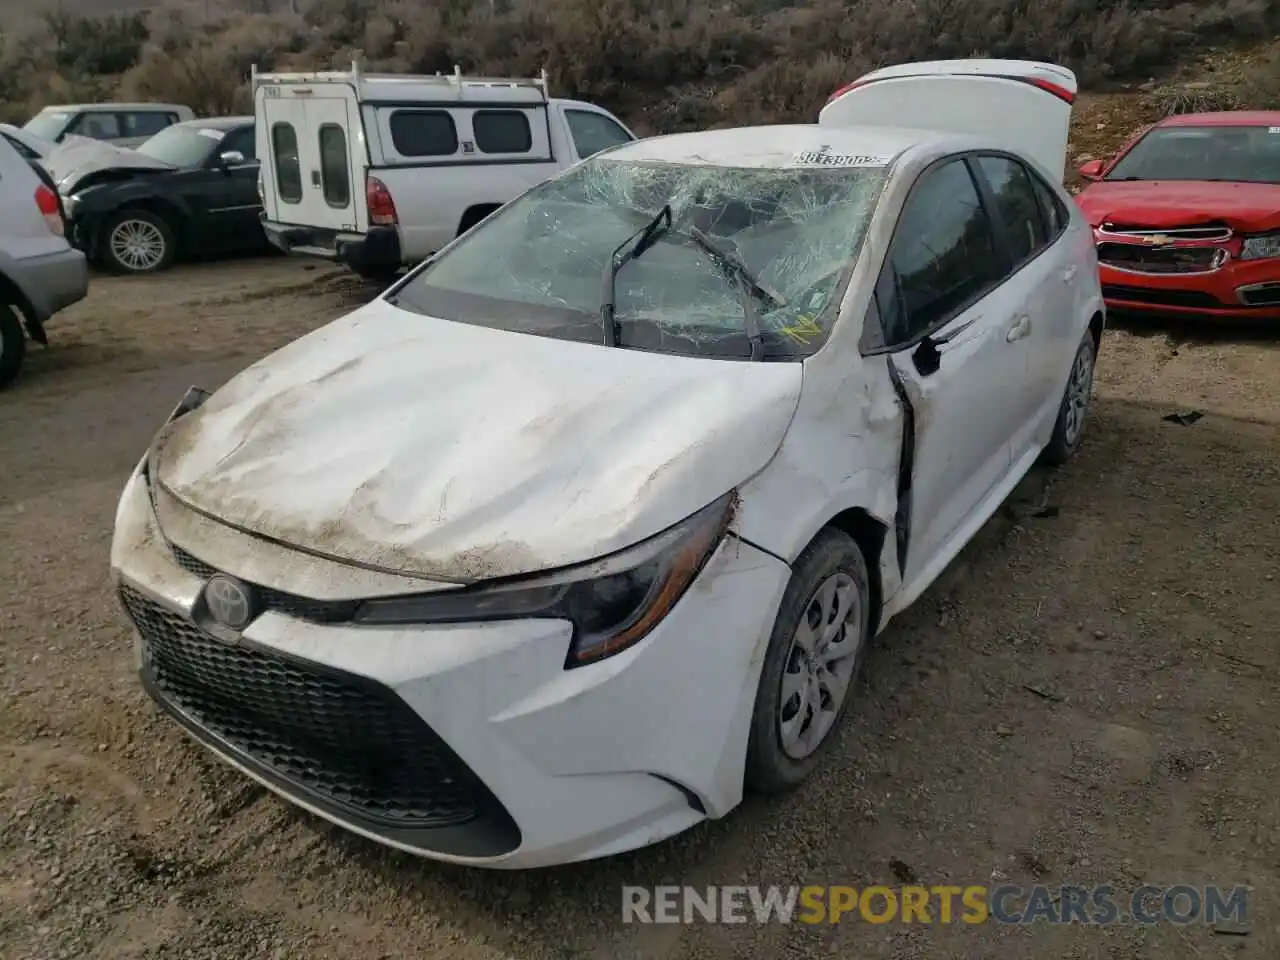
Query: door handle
pixel 1069 274
pixel 1021 327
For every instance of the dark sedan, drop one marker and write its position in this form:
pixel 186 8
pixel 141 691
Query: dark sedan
pixel 190 190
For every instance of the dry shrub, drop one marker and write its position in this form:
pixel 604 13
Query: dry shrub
pixel 664 64
pixel 1260 90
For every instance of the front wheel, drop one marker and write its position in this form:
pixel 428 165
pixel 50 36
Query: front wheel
pixel 1069 427
pixel 137 241
pixel 13 343
pixel 815 653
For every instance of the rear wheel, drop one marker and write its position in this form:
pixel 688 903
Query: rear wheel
pixel 1069 427
pixel 137 241
pixel 13 343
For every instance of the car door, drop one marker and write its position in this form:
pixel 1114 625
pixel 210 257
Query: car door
pixel 1037 278
pixel 942 313
pixel 235 206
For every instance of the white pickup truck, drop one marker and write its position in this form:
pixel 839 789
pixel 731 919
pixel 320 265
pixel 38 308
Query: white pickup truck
pixel 381 171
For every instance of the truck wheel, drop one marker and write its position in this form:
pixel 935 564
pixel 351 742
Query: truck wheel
pixel 137 241
pixel 13 343
pixel 382 276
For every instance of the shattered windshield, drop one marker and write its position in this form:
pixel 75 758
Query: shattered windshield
pixel 540 265
pixel 1232 154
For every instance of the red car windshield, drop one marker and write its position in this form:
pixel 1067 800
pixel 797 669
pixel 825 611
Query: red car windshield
pixel 1234 154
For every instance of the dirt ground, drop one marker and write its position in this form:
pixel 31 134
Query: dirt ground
pixel 1088 695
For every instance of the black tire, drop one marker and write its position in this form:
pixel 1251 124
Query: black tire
pixel 382 276
pixel 162 232
pixel 13 343
pixel 770 768
pixel 475 215
pixel 1073 410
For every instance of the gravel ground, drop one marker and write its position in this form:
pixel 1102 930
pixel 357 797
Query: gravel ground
pixel 1088 695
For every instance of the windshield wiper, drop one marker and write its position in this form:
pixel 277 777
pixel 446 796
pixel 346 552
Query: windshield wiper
pixel 753 289
pixel 648 236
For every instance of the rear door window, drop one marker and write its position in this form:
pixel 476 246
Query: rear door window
pixel 1051 205
pixel 284 151
pixel 501 131
pixel 25 151
pixel 1016 206
pixel 99 126
pixel 335 173
pixel 423 133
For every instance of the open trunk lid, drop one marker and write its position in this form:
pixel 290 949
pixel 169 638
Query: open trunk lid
pixel 1023 104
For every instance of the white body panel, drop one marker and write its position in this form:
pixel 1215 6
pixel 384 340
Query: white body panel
pixel 996 99
pixel 393 453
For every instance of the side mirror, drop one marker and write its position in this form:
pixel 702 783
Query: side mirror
pixel 1092 170
pixel 231 158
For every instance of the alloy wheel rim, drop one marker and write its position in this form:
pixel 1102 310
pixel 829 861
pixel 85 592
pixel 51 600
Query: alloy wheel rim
pixel 1078 390
pixel 819 666
pixel 138 244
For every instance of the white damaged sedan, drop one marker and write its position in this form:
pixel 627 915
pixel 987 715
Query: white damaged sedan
pixel 582 529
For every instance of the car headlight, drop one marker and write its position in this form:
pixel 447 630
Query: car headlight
pixel 1261 247
pixel 613 603
pixel 69 204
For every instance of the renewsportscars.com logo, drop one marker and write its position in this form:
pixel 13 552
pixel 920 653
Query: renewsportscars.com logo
pixel 975 904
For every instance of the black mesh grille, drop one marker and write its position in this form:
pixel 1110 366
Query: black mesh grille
pixel 304 608
pixel 1131 256
pixel 1171 298
pixel 345 739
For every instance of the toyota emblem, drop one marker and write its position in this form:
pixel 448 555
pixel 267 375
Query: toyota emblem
pixel 230 602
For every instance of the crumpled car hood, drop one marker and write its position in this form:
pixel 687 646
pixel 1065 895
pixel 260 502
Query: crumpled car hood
pixel 1166 204
pixel 78 157
pixel 455 452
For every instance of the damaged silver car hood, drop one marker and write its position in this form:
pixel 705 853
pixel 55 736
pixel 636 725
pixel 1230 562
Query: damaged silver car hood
pixel 456 452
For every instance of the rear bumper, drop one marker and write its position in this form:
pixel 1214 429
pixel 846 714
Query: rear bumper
pixel 52 282
pixel 376 250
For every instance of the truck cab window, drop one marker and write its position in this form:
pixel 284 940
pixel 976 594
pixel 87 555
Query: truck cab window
pixel 593 132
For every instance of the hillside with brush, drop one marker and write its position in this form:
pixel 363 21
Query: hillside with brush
pixel 663 64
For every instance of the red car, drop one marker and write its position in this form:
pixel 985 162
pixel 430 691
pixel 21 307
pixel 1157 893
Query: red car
pixel 1187 217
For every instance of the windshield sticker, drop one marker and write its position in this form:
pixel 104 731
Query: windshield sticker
pixel 212 134
pixel 803 329
pixel 823 157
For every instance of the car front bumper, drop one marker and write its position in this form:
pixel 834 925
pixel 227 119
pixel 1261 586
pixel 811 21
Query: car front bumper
pixel 468 743
pixel 1239 291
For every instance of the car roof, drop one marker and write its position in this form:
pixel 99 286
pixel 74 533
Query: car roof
pixel 215 123
pixel 783 145
pixel 108 107
pixel 1224 118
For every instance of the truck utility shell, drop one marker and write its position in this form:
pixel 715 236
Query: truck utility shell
pixel 379 171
